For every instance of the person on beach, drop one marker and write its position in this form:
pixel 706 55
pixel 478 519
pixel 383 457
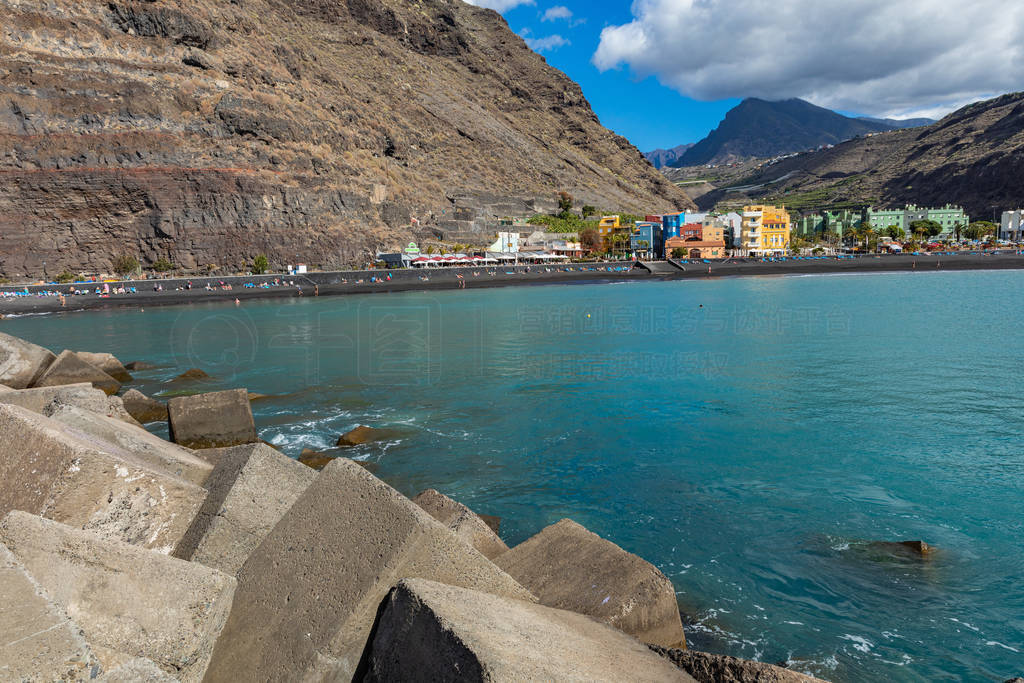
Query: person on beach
pixel 237 302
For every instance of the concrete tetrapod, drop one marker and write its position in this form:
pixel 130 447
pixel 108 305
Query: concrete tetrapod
pixel 46 470
pixel 70 369
pixel 21 362
pixel 462 521
pixel 251 488
pixel 119 438
pixel 571 568
pixel 125 598
pixel 213 420
pixel 309 594
pixel 433 632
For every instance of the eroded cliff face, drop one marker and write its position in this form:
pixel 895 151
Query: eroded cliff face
pixel 206 132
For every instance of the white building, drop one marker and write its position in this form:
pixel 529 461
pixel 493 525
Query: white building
pixel 1012 226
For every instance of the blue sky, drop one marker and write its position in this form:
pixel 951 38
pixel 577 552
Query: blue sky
pixel 665 72
pixel 643 111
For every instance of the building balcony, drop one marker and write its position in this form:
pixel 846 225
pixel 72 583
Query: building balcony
pixel 751 214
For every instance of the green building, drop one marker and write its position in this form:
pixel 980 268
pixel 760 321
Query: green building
pixel 842 221
pixel 808 226
pixel 947 216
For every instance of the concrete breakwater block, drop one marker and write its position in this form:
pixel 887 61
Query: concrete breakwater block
pixel 251 489
pixel 106 362
pixel 308 596
pixel 47 471
pixel 462 522
pixel 213 420
pixel 709 668
pixel 82 394
pixel 429 631
pixel 123 597
pixel 21 362
pixel 70 369
pixel 143 408
pixel 118 438
pixel 38 641
pixel 568 567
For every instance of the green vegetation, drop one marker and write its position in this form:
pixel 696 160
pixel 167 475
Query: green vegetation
pixel 162 265
pixel 557 224
pixel 564 204
pixel 125 264
pixel 588 210
pixel 66 276
pixel 925 228
pixel 679 252
pixel 260 265
pixel 980 229
pixel 590 239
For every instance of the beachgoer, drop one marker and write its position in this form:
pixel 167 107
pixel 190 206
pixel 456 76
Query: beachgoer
pixel 237 302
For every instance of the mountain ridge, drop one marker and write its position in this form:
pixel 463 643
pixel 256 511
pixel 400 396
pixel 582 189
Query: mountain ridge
pixel 757 128
pixel 972 157
pixel 204 133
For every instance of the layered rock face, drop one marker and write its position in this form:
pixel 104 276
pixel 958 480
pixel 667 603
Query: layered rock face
pixel 313 131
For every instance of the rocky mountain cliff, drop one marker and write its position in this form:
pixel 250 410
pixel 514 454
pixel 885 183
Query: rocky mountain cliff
pixel 973 157
pixel 761 129
pixel 207 132
pixel 660 158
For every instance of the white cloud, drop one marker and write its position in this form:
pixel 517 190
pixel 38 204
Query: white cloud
pixel 879 57
pixel 546 43
pixel 557 12
pixel 500 5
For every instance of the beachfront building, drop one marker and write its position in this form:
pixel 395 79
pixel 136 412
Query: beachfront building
pixel 1011 227
pixel 765 230
pixel 646 240
pixel 949 217
pixel 809 227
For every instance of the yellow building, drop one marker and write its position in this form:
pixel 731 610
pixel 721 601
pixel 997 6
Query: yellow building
pixel 765 230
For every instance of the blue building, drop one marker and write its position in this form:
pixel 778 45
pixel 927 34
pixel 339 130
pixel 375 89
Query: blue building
pixel 671 222
pixel 647 240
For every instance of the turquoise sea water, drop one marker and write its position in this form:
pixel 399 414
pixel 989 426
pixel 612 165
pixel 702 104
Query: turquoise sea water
pixel 747 436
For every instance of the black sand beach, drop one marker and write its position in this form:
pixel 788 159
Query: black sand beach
pixel 376 281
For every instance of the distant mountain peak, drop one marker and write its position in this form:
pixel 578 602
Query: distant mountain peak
pixel 660 158
pixel 760 128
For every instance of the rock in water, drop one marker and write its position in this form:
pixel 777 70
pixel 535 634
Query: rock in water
pixel 429 631
pixel 190 375
pixel 462 521
pixel 360 435
pixel 308 596
pixel 68 368
pixel 143 408
pixel 571 568
pixel 21 362
pixel 213 420
pixel 138 365
pixel 709 668
pixel 314 459
pixel 106 362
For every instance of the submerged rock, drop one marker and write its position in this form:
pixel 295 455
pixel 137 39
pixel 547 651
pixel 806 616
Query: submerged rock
pixel 191 374
pixel 137 365
pixel 362 434
pixel 903 548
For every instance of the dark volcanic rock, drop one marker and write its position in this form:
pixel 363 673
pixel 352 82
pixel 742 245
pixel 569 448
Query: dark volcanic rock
pixel 192 374
pixel 362 434
pixel 709 668
pixel 198 133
